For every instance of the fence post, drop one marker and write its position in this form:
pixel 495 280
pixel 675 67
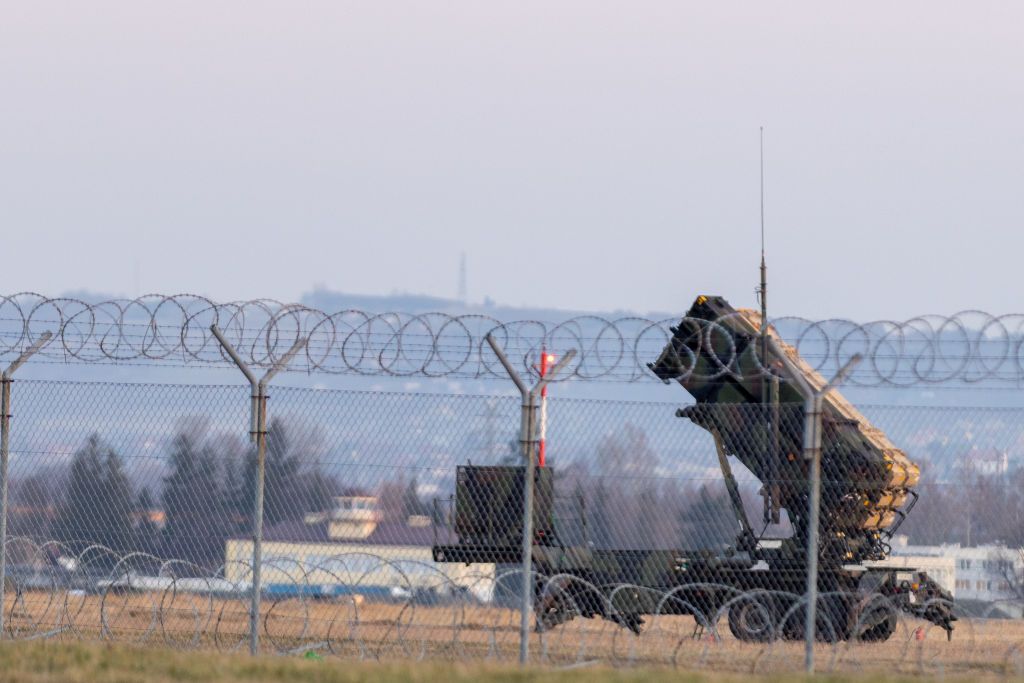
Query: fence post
pixel 528 439
pixel 5 452
pixel 813 403
pixel 258 434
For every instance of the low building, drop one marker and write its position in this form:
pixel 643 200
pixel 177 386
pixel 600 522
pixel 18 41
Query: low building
pixel 351 549
pixel 986 461
pixel 985 575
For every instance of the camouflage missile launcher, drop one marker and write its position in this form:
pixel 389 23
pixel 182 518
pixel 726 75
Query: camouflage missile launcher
pixel 716 355
pixel 748 397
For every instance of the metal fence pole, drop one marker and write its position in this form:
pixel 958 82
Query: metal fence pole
pixel 812 454
pixel 528 438
pixel 529 480
pixel 257 521
pixel 5 453
pixel 258 434
pixel 813 405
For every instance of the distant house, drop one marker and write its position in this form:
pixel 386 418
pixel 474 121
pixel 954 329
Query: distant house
pixel 351 549
pixel 987 575
pixel 986 461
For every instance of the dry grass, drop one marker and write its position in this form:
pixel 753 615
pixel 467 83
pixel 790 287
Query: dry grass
pixel 48 662
pixel 468 633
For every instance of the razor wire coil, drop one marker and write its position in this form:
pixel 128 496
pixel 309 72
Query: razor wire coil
pixel 970 348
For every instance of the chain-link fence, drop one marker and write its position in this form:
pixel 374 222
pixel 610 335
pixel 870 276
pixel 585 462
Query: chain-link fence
pixel 664 533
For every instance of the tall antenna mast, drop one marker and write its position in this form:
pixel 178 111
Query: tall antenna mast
pixel 769 384
pixel 463 288
pixel 763 289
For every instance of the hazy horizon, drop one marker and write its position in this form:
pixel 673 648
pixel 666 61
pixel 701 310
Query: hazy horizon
pixel 583 157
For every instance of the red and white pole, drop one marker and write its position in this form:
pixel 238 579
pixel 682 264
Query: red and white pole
pixel 545 360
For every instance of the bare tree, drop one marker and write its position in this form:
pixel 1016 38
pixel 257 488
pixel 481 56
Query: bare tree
pixel 1007 567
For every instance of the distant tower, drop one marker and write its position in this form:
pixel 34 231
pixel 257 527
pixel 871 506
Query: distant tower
pixel 463 295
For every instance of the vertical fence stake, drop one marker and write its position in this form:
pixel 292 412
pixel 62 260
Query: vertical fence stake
pixel 528 439
pixel 812 454
pixel 5 453
pixel 258 434
pixel 813 404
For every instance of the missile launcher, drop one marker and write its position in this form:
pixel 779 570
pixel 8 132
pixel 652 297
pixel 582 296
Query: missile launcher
pixel 715 353
pixel 749 389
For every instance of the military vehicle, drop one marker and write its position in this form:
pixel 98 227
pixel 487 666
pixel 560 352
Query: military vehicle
pixel 748 393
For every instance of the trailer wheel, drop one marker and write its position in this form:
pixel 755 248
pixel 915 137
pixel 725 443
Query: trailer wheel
pixel 752 619
pixel 831 623
pixel 879 625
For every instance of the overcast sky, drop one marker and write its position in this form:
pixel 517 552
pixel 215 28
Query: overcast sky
pixel 583 155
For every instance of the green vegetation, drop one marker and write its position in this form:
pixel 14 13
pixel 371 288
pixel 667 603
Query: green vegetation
pixel 35 662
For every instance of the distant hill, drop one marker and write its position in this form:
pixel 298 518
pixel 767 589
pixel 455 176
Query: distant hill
pixel 327 300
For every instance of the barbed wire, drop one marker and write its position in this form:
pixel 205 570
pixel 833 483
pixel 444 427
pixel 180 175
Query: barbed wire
pixel 970 347
pixel 362 605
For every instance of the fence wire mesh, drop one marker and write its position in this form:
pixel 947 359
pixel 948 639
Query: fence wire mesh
pixel 393 523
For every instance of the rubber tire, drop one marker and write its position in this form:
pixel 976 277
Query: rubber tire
pixel 752 620
pixel 881 632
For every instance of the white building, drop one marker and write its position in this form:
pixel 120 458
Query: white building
pixel 353 517
pixel 369 571
pixel 351 549
pixel 986 573
pixel 986 461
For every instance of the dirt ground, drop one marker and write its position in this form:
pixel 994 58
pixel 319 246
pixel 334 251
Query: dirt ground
pixel 355 629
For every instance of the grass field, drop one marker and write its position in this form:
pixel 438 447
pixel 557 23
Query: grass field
pixel 46 662
pixel 347 632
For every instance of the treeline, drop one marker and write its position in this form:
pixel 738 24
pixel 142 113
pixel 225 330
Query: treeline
pixel 206 496
pixel 621 498
pixel 630 503
pixel 617 498
pixel 971 509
